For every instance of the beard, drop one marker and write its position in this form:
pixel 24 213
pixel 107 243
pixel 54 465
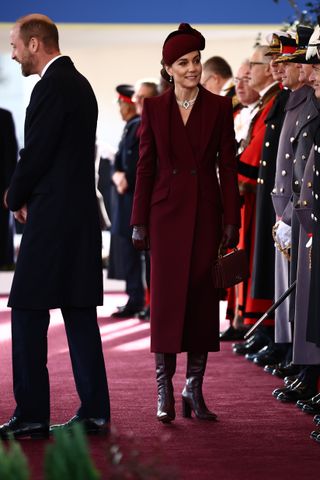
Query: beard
pixel 27 67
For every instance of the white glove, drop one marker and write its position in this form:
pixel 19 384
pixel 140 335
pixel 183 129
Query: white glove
pixel 309 243
pixel 283 234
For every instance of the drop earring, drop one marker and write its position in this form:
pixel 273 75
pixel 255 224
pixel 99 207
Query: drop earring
pixel 170 79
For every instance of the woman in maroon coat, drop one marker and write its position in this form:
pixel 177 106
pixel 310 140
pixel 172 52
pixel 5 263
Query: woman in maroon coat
pixel 185 213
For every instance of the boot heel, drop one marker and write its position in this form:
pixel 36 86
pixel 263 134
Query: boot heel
pixel 186 409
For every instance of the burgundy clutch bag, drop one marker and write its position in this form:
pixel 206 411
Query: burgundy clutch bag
pixel 230 269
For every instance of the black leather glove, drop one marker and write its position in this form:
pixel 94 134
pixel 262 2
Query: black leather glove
pixel 230 237
pixel 140 238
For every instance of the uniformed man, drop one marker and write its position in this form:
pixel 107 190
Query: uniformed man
pixel 282 191
pixel 124 177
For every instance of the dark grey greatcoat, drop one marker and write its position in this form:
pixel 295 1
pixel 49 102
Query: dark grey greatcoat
pixel 281 197
pixel 304 352
pixel 59 263
pixel 313 326
pixel 307 124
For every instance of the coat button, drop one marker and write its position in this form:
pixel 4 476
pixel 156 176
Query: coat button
pixel 273 126
pixel 309 184
pixel 267 144
pixel 281 190
pixel 305 134
pixel 291 139
pixel 274 190
pixel 312 216
pixel 304 203
pixel 297 122
pixel 296 182
pixel 261 181
pixel 287 155
pixel 264 163
pixel 309 116
pixel 284 173
pixel 258 180
pixel 303 157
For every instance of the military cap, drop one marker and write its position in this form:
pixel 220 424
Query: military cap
pixel 288 46
pixel 125 93
pixel 302 39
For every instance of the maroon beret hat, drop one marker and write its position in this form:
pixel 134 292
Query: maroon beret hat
pixel 184 40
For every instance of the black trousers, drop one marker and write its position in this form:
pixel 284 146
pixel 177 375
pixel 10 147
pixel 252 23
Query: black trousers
pixel 29 359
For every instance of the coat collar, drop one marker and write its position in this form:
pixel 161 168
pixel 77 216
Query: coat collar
pixel 209 109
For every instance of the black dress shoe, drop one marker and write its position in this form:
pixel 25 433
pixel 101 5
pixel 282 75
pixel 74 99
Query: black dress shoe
pixel 269 368
pixel 252 356
pixel 144 314
pixel 270 355
pixel 232 334
pixel 301 391
pixel 286 370
pixel 252 346
pixel 289 380
pixel 286 388
pixel 315 435
pixel 316 419
pixel 126 312
pixel 17 428
pixel 97 426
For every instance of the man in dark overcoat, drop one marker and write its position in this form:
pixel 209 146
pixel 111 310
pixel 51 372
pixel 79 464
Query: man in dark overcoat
pixel 8 160
pixel 52 191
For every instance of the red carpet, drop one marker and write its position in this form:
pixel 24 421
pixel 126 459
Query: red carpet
pixel 256 437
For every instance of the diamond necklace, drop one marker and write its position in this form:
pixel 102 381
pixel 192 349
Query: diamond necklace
pixel 187 103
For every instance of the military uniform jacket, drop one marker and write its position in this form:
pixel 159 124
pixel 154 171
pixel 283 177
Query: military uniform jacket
pixel 313 328
pixel 178 196
pixel 59 263
pixel 126 161
pixel 263 260
pixel 282 191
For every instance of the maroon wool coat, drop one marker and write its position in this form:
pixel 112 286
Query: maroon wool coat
pixel 179 198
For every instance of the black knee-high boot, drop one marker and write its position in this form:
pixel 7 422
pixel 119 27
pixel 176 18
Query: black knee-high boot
pixel 165 369
pixel 192 398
